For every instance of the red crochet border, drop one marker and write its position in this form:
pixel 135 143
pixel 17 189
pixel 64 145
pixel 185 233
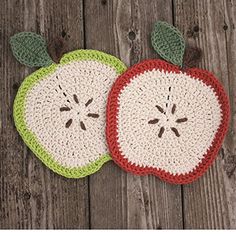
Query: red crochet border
pixel 112 114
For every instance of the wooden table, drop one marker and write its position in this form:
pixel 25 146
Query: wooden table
pixel 32 196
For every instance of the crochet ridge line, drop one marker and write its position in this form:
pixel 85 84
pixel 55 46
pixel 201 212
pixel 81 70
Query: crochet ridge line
pixel 31 140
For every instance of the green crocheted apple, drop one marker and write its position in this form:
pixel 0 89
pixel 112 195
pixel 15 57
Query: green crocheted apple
pixel 59 110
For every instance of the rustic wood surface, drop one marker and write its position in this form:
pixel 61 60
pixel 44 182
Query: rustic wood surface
pixel 32 196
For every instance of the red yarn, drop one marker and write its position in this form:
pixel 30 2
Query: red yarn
pixel 112 114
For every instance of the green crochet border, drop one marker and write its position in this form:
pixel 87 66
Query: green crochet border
pixel 30 138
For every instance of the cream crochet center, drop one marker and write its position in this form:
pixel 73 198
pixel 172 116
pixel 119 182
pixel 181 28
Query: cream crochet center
pixel 66 112
pixel 186 108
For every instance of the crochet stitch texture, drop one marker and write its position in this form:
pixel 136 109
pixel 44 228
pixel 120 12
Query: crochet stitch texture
pixel 60 112
pixel 166 122
pixel 30 49
pixel 168 42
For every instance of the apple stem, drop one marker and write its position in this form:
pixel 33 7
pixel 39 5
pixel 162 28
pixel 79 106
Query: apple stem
pixel 192 57
pixel 57 48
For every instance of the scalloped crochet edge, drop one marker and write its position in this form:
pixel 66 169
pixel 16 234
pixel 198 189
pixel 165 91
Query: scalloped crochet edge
pixel 31 140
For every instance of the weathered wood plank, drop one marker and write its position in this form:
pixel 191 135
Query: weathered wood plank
pixel 31 195
pixel 229 151
pixel 117 199
pixel 210 201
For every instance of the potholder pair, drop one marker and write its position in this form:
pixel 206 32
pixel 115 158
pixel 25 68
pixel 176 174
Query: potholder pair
pixel 157 118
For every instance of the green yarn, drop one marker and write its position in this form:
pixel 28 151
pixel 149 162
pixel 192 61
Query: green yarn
pixel 30 49
pixel 168 42
pixel 29 137
pixel 89 54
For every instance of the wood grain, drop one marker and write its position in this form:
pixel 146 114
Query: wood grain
pixel 117 199
pixel 31 195
pixel 210 201
pixel 229 149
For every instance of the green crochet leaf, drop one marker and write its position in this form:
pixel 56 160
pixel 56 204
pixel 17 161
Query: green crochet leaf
pixel 168 42
pixel 30 49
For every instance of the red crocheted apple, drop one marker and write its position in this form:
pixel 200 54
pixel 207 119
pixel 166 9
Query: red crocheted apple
pixel 164 120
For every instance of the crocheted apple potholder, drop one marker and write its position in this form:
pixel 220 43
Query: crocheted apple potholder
pixel 59 110
pixel 165 120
